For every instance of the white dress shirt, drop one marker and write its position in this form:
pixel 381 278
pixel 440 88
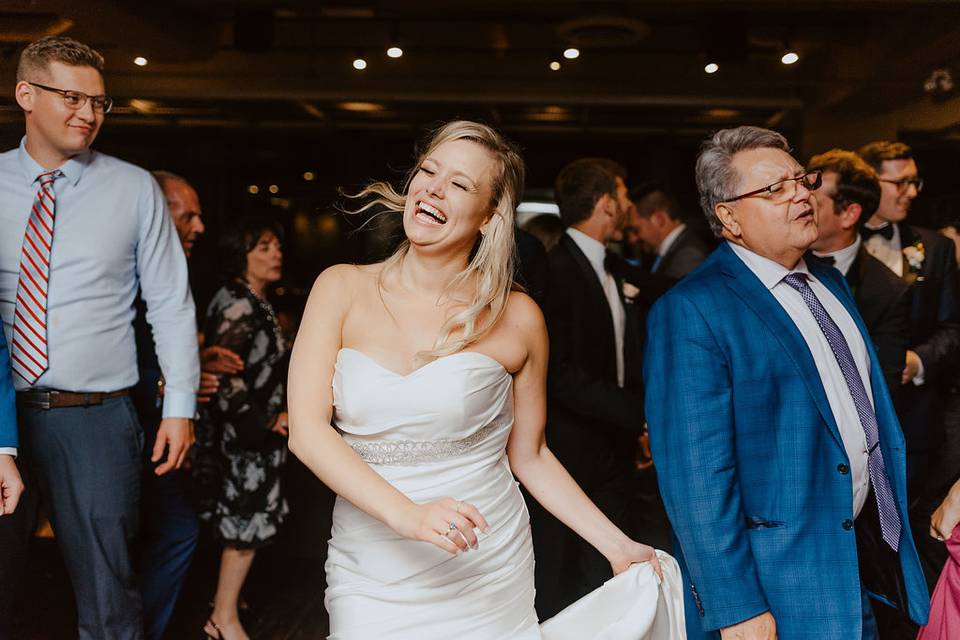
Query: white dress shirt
pixel 596 252
pixel 843 259
pixel 889 252
pixel 670 239
pixel 771 274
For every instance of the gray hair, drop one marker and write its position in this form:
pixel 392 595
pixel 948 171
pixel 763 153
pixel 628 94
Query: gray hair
pixel 717 180
pixel 163 177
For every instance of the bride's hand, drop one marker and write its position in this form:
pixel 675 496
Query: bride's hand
pixel 631 553
pixel 431 522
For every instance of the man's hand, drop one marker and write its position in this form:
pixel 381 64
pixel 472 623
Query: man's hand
pixel 176 435
pixel 220 360
pixel 209 385
pixel 11 486
pixel 762 627
pixel 912 367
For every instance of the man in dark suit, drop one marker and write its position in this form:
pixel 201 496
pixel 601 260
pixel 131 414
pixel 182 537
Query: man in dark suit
pixel 595 408
pixel 849 195
pixel 925 260
pixel 679 249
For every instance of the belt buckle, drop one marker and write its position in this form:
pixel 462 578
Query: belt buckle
pixel 51 400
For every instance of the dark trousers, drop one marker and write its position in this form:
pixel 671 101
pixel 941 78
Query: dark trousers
pixel 168 538
pixel 84 464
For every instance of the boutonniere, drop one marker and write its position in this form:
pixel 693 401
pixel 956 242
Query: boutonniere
pixel 915 256
pixel 629 291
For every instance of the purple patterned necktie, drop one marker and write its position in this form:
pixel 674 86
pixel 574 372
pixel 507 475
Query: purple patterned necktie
pixel 889 516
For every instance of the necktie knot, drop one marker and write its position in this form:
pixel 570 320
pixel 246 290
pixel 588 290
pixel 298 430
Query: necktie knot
pixel 47 177
pixel 797 280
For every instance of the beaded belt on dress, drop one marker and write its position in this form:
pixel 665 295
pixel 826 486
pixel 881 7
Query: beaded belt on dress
pixel 411 452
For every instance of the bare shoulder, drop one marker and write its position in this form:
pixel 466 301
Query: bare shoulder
pixel 523 313
pixel 344 276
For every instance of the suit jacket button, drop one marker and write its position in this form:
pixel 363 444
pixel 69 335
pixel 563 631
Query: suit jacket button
pixel 848 524
pixel 843 469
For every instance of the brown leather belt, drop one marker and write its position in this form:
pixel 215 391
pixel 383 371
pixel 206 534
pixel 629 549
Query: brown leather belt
pixel 54 399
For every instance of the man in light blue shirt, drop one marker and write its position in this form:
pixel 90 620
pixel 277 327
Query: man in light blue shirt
pixel 68 314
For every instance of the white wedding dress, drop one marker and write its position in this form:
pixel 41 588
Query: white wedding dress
pixel 441 431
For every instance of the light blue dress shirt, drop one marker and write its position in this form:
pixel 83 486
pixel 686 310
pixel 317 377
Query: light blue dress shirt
pixel 112 237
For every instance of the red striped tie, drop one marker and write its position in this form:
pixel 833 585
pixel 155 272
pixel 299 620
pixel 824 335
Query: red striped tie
pixel 28 350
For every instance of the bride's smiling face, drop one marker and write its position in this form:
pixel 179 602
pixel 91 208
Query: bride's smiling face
pixel 448 200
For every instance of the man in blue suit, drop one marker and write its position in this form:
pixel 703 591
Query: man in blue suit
pixel 778 452
pixel 11 486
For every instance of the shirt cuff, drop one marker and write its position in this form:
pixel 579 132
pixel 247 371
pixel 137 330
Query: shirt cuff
pixel 179 404
pixel 8 451
pixel 920 378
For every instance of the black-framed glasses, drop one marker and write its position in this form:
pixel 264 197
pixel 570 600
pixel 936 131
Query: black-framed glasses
pixel 76 99
pixel 784 190
pixel 904 183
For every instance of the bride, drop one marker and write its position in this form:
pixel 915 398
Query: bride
pixel 417 391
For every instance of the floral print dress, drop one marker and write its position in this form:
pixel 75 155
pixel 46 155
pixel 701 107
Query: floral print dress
pixel 238 460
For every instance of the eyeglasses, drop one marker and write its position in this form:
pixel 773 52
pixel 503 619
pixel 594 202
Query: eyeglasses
pixel 784 190
pixel 904 183
pixel 76 99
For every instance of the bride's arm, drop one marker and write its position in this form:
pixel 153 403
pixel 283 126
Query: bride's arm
pixel 535 465
pixel 318 445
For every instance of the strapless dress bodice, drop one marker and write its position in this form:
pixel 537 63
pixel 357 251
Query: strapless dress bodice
pixel 456 406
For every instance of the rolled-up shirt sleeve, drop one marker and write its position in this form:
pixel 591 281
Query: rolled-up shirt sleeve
pixel 165 287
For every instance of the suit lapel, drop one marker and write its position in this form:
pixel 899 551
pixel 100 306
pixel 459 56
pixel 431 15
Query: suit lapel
pixel 907 238
pixel 747 287
pixel 593 284
pixel 882 406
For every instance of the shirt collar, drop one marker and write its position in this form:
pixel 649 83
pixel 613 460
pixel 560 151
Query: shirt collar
pixel 670 239
pixel 72 169
pixel 593 249
pixel 843 258
pixel 769 272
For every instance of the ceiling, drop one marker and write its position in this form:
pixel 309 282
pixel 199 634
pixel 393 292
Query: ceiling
pixel 287 67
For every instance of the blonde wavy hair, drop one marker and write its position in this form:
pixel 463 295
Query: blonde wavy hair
pixel 490 266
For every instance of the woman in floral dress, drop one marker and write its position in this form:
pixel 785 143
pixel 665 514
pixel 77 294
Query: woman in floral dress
pixel 241 439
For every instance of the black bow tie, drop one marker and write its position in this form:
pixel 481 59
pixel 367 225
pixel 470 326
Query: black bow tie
pixel 827 260
pixel 886 231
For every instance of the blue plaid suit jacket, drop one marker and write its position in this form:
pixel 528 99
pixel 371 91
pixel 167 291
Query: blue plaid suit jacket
pixel 747 453
pixel 8 413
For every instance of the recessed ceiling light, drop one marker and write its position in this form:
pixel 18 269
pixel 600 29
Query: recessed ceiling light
pixel 554 65
pixel 394 52
pixel 789 58
pixel 359 64
pixel 140 61
pixel 367 107
pixel 253 189
pixel 273 188
pixel 572 53
pixel 308 176
pixel 712 67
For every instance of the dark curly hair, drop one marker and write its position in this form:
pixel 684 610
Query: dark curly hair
pixel 240 238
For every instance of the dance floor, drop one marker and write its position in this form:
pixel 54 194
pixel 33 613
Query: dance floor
pixel 284 591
